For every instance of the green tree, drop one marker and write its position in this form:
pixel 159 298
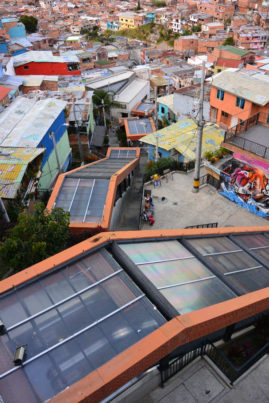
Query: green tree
pixel 103 102
pixel 29 22
pixel 229 41
pixel 35 237
pixel 197 28
pixel 186 32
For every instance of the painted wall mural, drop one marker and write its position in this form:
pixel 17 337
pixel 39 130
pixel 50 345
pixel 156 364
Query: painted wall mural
pixel 244 181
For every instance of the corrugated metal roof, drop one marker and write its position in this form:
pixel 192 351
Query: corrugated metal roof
pixel 253 88
pixel 131 90
pixel 25 122
pixel 13 164
pixel 234 49
pixel 182 135
pixel 36 56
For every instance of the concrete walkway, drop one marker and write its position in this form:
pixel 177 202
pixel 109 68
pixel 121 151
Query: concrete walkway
pixel 200 382
pixel 176 206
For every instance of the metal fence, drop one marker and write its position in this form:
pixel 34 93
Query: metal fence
pixel 170 368
pixel 232 136
pixel 209 180
pixel 208 225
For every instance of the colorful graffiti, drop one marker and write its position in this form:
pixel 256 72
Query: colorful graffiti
pixel 246 185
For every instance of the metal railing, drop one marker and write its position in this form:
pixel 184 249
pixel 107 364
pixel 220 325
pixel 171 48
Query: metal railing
pixel 209 180
pixel 232 135
pixel 208 225
pixel 170 368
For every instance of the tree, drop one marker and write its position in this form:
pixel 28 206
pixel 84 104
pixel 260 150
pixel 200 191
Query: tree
pixel 229 41
pixel 35 237
pixel 103 102
pixel 186 32
pixel 29 22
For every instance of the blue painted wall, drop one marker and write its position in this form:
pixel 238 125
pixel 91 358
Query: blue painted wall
pixel 17 32
pixel 163 111
pixel 151 153
pixel 58 128
pixel 19 52
pixel 3 48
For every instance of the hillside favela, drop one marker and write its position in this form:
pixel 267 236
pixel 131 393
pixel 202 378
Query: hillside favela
pixel 134 201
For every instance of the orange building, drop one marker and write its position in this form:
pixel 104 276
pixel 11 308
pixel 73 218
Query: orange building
pixel 90 192
pixel 237 96
pixel 99 314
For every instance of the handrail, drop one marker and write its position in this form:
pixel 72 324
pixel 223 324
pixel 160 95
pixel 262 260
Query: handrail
pixel 169 369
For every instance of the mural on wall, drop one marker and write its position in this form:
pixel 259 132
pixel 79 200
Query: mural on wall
pixel 244 181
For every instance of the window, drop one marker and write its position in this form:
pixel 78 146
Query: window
pixel 162 110
pixel 224 114
pixel 240 102
pixel 268 118
pixel 26 67
pixel 220 94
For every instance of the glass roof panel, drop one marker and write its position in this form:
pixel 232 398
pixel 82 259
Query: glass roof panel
pixel 148 252
pixel 213 245
pixel 175 272
pixel 250 280
pixel 83 198
pixel 232 261
pixel 253 241
pixel 193 296
pixel 85 313
pixel 262 253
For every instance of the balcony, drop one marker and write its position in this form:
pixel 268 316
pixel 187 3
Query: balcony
pixel 250 136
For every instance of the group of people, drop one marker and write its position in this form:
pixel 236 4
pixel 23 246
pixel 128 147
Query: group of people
pixel 148 211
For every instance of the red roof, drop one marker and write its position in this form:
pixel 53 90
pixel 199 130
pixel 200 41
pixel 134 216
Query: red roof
pixel 4 91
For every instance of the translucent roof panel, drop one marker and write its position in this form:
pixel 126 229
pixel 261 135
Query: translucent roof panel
pixel 213 245
pixel 150 252
pixel 122 154
pixel 83 198
pixel 190 297
pixel 230 262
pixel 253 241
pixel 185 281
pixel 71 322
pixel 137 126
pixel 250 280
pixel 236 267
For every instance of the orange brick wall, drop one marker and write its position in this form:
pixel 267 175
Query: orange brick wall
pixel 228 105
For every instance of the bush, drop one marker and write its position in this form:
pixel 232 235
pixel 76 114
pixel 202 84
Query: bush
pixel 159 166
pixel 122 137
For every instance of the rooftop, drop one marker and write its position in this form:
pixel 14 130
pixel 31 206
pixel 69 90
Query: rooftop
pixel 128 93
pixel 25 122
pixel 137 128
pixel 253 88
pixel 234 49
pixel 181 136
pixel 13 165
pixel 117 297
pixel 89 192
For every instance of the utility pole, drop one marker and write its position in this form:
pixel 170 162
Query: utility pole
pixel 196 179
pixel 156 108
